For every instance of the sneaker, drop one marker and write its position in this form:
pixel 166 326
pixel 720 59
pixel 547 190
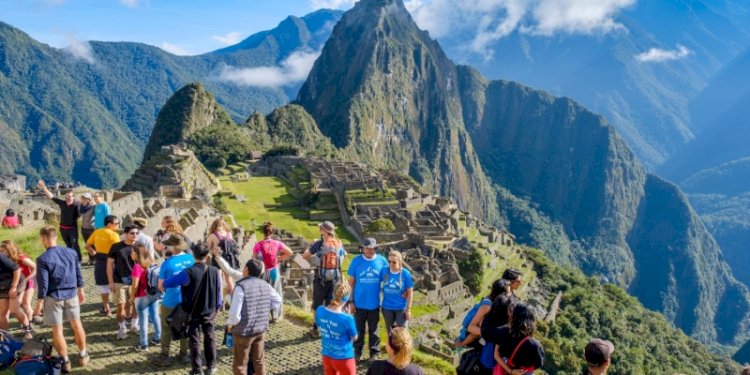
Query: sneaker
pixel 66 367
pixel 213 371
pixel 139 348
pixel 37 319
pixel 121 334
pixel 135 329
pixel 163 361
pixel 185 358
pixel 155 342
pixel 196 372
pixel 84 360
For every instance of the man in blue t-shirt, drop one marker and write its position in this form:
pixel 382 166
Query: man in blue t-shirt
pixel 179 261
pixel 101 210
pixel 364 278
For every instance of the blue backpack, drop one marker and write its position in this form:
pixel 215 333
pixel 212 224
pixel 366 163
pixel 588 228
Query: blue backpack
pixel 8 348
pixel 470 316
pixel 34 366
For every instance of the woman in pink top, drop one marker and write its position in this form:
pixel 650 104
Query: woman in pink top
pixel 272 252
pixel 28 269
pixel 10 220
pixel 146 297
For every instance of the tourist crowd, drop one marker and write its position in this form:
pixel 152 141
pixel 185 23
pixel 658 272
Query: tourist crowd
pixel 178 288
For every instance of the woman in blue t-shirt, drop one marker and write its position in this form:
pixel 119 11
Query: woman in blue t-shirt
pixel 398 288
pixel 337 332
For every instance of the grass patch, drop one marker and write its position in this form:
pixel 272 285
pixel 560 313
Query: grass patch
pixel 270 198
pixel 422 310
pixel 26 238
pixel 298 315
pixel 432 364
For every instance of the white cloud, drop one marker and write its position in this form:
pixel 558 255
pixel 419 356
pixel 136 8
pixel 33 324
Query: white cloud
pixel 79 49
pixel 174 49
pixel 130 3
pixel 332 4
pixel 482 22
pixel 232 38
pixel 663 55
pixel 293 69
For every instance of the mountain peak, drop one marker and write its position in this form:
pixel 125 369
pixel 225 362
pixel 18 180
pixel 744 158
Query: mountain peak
pixel 189 110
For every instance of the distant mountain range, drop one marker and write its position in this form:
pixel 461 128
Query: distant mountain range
pixel 88 118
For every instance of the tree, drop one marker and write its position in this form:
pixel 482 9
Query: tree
pixel 472 271
pixel 380 225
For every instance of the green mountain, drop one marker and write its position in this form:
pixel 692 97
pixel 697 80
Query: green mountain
pixel 400 103
pixel 68 118
pixel 646 342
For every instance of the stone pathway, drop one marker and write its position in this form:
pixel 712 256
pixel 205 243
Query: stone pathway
pixel 288 349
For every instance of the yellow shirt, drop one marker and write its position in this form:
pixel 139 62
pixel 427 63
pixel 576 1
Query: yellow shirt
pixel 103 239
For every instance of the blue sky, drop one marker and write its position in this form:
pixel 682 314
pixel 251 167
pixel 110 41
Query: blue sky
pixel 186 26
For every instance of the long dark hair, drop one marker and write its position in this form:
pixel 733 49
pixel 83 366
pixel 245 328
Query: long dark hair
pixel 499 314
pixel 522 321
pixel 499 287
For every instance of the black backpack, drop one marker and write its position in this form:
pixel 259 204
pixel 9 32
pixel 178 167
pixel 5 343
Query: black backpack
pixel 229 251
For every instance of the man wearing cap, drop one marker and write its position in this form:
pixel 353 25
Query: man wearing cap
pixel 69 212
pixel 141 223
pixel 322 286
pixel 598 356
pixel 86 210
pixel 364 278
pixel 172 266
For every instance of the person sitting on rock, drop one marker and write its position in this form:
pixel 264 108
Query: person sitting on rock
pixel 399 348
pixel 10 220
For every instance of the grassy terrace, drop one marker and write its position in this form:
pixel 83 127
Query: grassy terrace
pixel 270 198
pixel 26 238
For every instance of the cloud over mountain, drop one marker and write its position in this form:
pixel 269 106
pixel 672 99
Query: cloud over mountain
pixel 80 49
pixel 291 70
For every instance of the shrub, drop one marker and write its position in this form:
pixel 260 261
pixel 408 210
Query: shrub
pixel 380 225
pixel 472 271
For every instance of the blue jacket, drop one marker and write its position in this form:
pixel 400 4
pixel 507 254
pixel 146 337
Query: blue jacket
pixel 58 274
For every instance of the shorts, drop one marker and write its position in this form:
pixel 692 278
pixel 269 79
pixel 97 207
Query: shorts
pixel 120 294
pixel 30 284
pixel 4 292
pixel 55 310
pixel 322 293
pixel 100 269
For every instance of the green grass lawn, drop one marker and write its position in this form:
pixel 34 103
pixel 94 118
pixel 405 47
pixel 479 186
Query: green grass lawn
pixel 26 238
pixel 269 198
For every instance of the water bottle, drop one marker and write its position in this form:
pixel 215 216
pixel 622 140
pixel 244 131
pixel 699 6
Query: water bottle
pixel 230 339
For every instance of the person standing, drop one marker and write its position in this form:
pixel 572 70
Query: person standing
pixel 23 299
pixel 515 278
pixel 98 246
pixel 398 290
pixel 221 237
pixel 60 285
pixel 101 210
pixel 141 223
pixel 272 252
pixel 252 302
pixel 12 287
pixel 364 278
pixel 201 298
pixel 327 255
pixel 146 293
pixel 515 347
pixel 86 210
pixel 338 331
pixel 69 212
pixel 399 347
pixel 176 262
pixel 119 271
pixel 598 355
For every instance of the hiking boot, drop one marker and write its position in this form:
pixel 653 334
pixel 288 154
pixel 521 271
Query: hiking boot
pixel 28 333
pixel 185 358
pixel 84 360
pixel 163 361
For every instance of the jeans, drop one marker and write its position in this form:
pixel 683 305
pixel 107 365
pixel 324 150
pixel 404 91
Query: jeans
pixel 369 317
pixel 206 325
pixel 166 335
pixel 148 309
pixel 249 355
pixel 70 236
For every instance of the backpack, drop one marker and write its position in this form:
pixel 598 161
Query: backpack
pixel 152 281
pixel 34 358
pixel 35 348
pixel 330 267
pixel 8 348
pixel 470 316
pixel 229 250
